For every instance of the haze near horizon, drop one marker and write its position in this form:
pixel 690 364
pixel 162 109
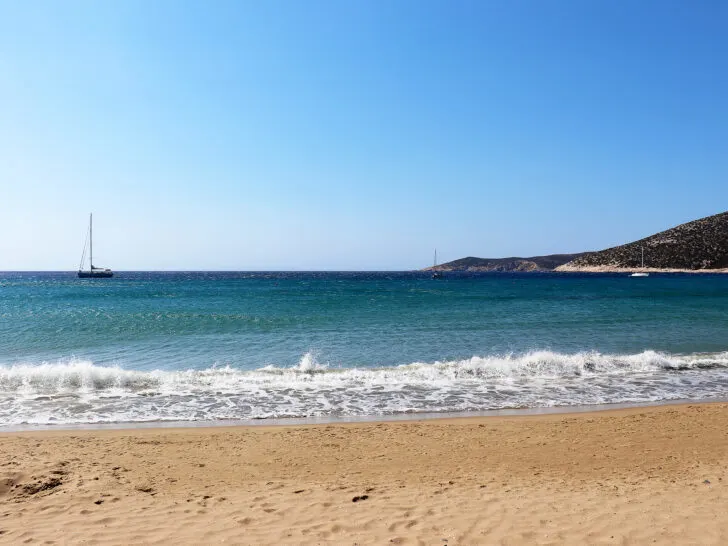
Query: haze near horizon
pixel 354 135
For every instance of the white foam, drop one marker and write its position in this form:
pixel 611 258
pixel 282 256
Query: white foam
pixel 77 391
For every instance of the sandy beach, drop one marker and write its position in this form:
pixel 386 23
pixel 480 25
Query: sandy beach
pixel 633 476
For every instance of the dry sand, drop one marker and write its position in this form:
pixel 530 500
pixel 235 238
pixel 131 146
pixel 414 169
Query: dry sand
pixel 636 476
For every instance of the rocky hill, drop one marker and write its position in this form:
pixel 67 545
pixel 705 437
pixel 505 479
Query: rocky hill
pixel 535 263
pixel 700 244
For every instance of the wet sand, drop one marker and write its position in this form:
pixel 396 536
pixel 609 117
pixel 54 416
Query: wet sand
pixel 630 476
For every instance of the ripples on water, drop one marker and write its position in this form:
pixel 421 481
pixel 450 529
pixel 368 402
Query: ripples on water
pixel 209 346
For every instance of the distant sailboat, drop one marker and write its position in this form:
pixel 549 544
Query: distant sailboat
pixel 92 272
pixel 436 274
pixel 642 266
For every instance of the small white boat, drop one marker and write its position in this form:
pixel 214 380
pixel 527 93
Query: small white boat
pixel 643 266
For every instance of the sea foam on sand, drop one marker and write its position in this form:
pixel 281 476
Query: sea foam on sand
pixel 636 476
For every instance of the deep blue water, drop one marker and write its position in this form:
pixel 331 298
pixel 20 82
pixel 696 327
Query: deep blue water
pixel 147 346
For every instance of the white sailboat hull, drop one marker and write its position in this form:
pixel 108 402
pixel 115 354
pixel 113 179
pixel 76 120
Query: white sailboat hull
pixel 105 274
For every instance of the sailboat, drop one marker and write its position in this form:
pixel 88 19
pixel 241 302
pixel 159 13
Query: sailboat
pixel 436 274
pixel 642 266
pixel 92 272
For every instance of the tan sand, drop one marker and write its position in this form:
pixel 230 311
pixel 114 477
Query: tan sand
pixel 636 476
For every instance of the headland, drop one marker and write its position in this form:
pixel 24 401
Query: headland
pixel 699 246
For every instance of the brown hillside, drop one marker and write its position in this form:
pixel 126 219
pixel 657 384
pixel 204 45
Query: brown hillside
pixel 700 244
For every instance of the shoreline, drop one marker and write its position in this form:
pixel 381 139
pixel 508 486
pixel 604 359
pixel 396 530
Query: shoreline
pixel 582 269
pixel 352 419
pixel 622 476
pixel 610 269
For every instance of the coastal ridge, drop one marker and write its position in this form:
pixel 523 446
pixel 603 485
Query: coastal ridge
pixel 697 246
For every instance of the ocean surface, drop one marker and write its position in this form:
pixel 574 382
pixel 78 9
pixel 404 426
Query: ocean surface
pixel 207 347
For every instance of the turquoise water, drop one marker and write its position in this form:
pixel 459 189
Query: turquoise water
pixel 210 346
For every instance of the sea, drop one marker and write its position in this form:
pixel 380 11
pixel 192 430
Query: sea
pixel 217 347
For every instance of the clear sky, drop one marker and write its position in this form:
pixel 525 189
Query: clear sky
pixel 354 134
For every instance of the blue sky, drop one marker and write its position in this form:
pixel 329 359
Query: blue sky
pixel 351 134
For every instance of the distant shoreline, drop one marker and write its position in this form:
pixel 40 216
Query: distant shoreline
pixel 579 269
pixel 699 246
pixel 609 269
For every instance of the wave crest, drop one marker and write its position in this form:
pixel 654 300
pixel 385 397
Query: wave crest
pixel 82 376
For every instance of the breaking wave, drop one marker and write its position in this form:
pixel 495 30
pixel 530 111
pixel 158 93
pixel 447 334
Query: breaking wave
pixel 77 391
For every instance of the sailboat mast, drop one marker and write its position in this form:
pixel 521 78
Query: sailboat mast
pixel 435 262
pixel 91 239
pixel 643 257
